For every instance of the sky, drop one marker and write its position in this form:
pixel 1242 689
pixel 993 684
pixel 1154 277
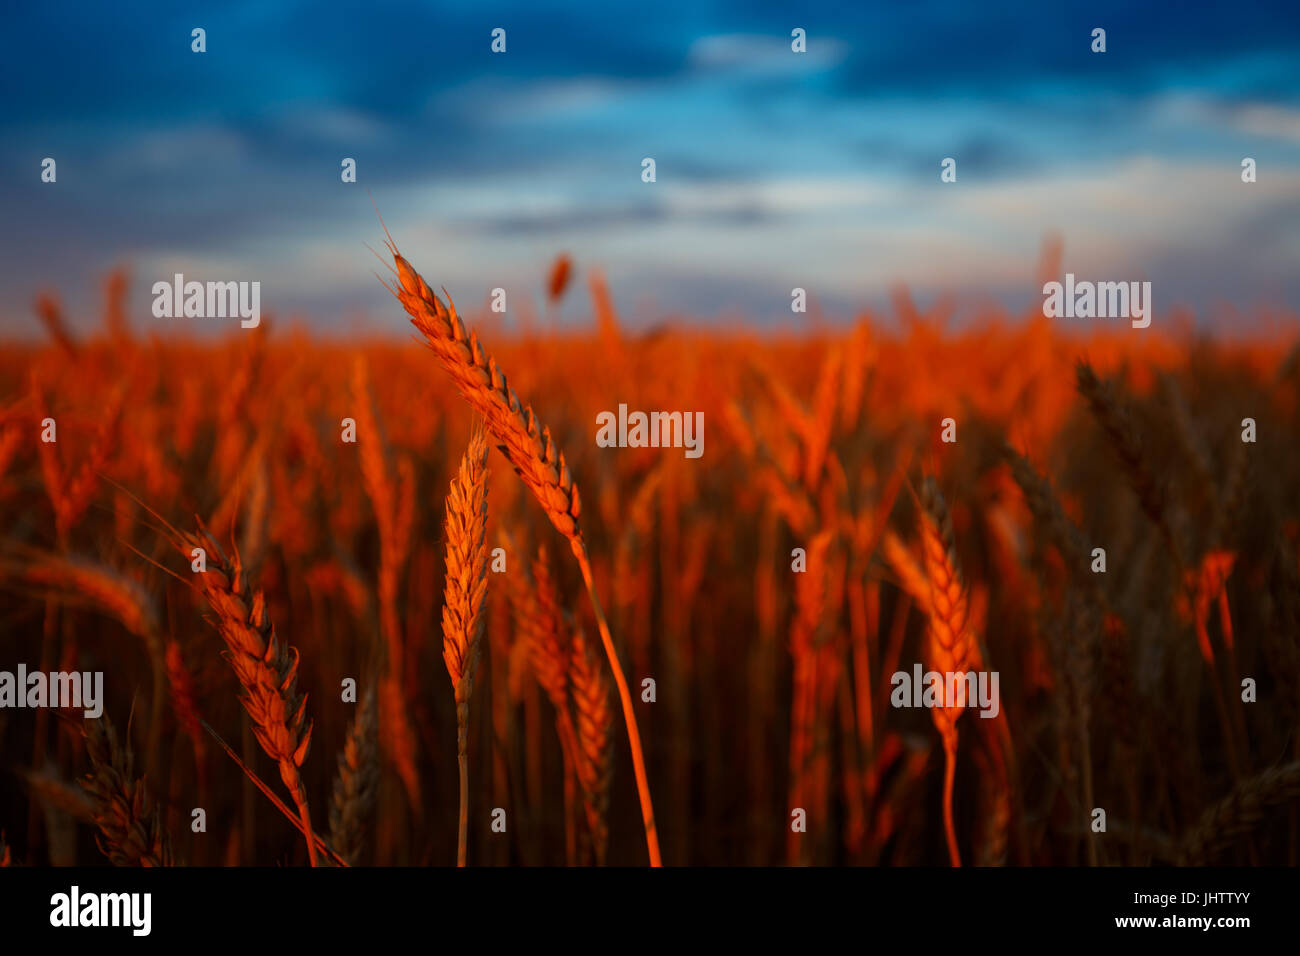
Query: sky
pixel 774 169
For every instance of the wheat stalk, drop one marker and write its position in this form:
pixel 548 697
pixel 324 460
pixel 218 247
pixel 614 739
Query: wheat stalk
pixel 463 620
pixel 256 781
pixel 130 830
pixel 266 667
pixel 529 448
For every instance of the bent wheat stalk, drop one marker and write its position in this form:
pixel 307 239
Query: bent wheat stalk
pixel 527 444
pixel 82 580
pixel 256 781
pixel 463 620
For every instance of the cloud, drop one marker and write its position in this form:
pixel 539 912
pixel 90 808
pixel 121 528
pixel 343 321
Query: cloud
pixel 181 147
pixel 764 54
pixel 773 197
pixel 1268 121
pixel 333 124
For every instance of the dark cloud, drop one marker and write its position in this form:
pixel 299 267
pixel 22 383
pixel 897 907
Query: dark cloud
pixel 164 150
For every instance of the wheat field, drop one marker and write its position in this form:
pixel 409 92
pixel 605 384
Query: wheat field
pixel 561 653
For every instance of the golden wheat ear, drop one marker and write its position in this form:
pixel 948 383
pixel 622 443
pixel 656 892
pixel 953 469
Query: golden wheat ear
pixel 463 617
pixel 951 646
pixel 266 667
pixel 593 721
pixel 528 446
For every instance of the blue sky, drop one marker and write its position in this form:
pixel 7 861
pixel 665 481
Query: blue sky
pixel 775 170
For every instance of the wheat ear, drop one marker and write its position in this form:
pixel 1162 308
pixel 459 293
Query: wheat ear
pixel 463 620
pixel 51 314
pixel 130 830
pixel 1116 420
pixel 357 783
pixel 266 667
pixel 1239 813
pixel 392 497
pixel 545 640
pixel 594 735
pixel 185 703
pixel 529 448
pixel 951 644
pixel 114 593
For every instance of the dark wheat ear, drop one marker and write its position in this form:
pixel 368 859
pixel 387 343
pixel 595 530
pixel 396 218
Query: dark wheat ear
pixel 130 829
pixel 357 783
pixel 1116 419
pixel 1237 815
